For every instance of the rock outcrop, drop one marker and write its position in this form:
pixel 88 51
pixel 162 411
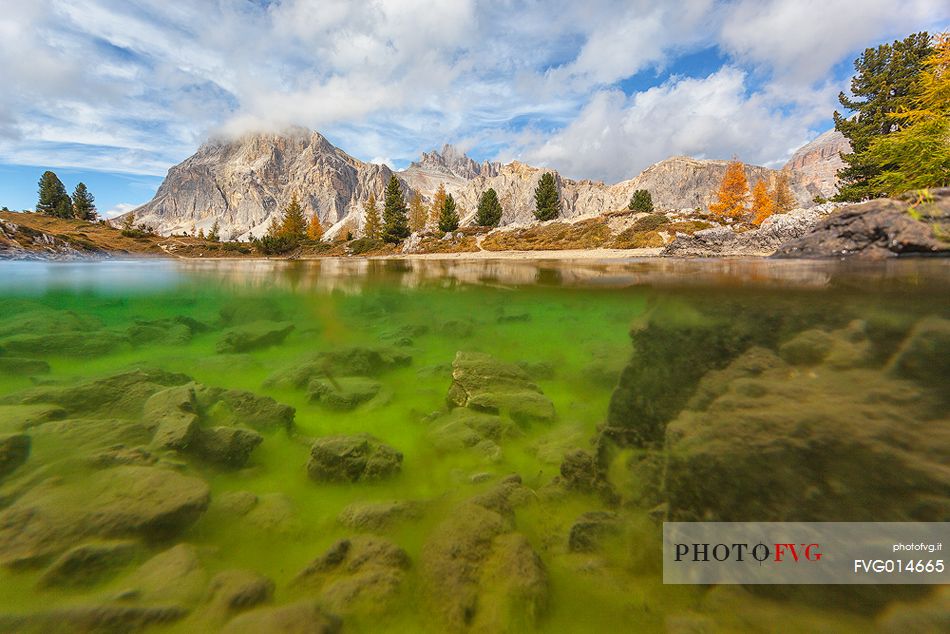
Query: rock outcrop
pixel 816 164
pixel 244 183
pixel 878 229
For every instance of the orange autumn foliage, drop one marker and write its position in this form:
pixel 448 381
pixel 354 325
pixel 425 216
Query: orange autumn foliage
pixel 731 198
pixel 314 228
pixel 763 205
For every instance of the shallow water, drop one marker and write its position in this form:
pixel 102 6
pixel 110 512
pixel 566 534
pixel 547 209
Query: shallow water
pixel 570 326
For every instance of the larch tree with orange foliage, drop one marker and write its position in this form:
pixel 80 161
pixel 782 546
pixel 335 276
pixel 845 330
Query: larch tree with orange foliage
pixel 438 203
pixel 733 193
pixel 782 196
pixel 762 204
pixel 314 228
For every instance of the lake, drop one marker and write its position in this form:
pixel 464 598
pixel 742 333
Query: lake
pixel 451 445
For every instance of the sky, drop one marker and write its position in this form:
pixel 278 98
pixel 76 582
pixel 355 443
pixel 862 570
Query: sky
pixel 114 92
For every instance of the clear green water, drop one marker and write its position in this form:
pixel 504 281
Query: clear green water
pixel 575 317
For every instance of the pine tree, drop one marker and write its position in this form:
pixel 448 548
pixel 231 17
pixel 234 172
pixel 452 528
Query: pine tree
pixel 54 200
pixel 546 198
pixel 438 203
pixel 883 83
pixel 417 213
pixel 84 203
pixel 449 218
pixel 489 210
pixel 395 222
pixel 782 197
pixel 128 223
pixel 294 225
pixel 733 192
pixel 371 223
pixel 314 228
pixel 762 204
pixel 918 155
pixel 214 235
pixel 641 202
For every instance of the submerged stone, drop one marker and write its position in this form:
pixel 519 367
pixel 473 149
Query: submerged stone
pixel 14 451
pixel 237 407
pixel 124 501
pixel 372 516
pixel 228 446
pixel 109 617
pixel 344 393
pixel 254 336
pixel 233 591
pixel 483 383
pixel 172 576
pixel 590 529
pixel 15 366
pixel 63 344
pixel 304 617
pixel 90 563
pixel 362 573
pixel 355 361
pixel 352 459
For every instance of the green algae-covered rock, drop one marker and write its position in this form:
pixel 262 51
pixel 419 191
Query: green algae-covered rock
pixel 352 459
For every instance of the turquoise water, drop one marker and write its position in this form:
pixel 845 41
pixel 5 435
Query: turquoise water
pixel 570 329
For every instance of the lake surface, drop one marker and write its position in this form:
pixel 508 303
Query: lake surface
pixel 530 425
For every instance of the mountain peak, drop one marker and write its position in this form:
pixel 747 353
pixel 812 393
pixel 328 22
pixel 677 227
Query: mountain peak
pixel 451 161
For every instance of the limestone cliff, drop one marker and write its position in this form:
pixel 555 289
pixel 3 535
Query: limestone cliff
pixel 817 163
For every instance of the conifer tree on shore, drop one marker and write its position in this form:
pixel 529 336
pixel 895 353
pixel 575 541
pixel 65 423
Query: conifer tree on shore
pixel 489 210
pixel 449 218
pixel 395 221
pixel 546 198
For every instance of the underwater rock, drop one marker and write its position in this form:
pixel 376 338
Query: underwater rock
pixel 581 471
pixel 352 459
pixel 466 429
pixel 483 383
pixel 16 366
pixel 589 530
pixel 538 369
pixel 124 501
pixel 374 516
pixel 173 576
pixel 351 361
pixel 304 617
pixel 90 563
pixel 63 344
pixel 930 615
pixel 457 329
pixel 807 348
pixel 274 513
pixel 158 332
pixel 853 444
pixel 14 451
pixel 228 446
pixel 480 575
pixel 233 591
pixel 122 455
pixel 173 414
pixel 237 502
pixel 254 336
pixel 237 407
pixel 122 394
pixel 344 393
pixel 244 311
pixel 15 418
pixel 94 618
pixel 85 438
pixel 362 573
pixel 923 356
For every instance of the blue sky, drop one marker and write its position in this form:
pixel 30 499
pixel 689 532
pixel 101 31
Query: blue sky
pixel 113 92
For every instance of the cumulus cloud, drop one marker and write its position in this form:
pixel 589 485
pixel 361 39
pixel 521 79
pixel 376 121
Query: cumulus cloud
pixel 616 136
pixel 136 86
pixel 119 209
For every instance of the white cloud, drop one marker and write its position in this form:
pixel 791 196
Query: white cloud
pixel 616 136
pixel 119 209
pixel 135 86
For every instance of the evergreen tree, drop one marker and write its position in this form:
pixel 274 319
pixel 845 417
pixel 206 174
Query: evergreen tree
pixel 294 225
pixel 489 210
pixel 417 213
pixel 314 228
pixel 641 202
pixel 438 203
pixel 84 203
pixel 215 234
pixel 918 155
pixel 54 200
pixel 371 223
pixel 395 222
pixel 128 224
pixel 546 198
pixel 273 228
pixel 733 192
pixel 883 83
pixel 762 204
pixel 201 234
pixel 782 197
pixel 449 218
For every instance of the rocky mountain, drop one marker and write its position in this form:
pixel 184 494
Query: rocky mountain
pixel 816 164
pixel 246 182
